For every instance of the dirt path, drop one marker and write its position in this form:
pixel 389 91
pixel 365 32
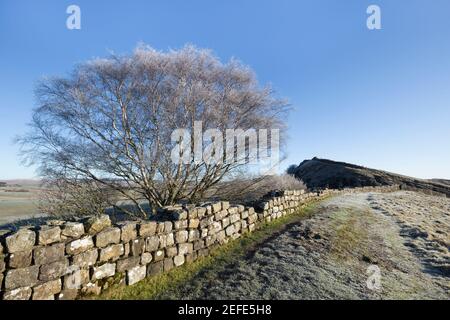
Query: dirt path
pixel 352 243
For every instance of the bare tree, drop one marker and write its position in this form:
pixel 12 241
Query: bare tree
pixel 111 121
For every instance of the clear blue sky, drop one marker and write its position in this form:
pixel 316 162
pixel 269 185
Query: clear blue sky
pixel 377 98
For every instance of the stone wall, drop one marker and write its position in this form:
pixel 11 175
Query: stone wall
pixel 68 259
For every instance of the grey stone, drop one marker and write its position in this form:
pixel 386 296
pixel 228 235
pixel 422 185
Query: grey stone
pixel 107 237
pixel 85 259
pixel 179 260
pixel 170 241
pixel 171 252
pixel 129 231
pixel 180 224
pixel 168 226
pixel 193 235
pixel 96 224
pixel 201 211
pixel 48 235
pixel 216 207
pixel 47 291
pixel 200 244
pixel 53 270
pixel 80 245
pixel 146 258
pixel 113 252
pixel 181 236
pixel 137 247
pixel 73 230
pixel 147 228
pixel 103 271
pixel 193 223
pixel 49 254
pixel 75 278
pixel 136 274
pixel 152 243
pixel 159 255
pixel 155 268
pixel 18 294
pixel 24 277
pixel 128 263
pixel 23 240
pixel 21 259
pixel 225 205
pixel 168 264
pixel 191 257
pixel 185 248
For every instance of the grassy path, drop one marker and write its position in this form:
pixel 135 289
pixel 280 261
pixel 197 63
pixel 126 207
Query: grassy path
pixel 172 284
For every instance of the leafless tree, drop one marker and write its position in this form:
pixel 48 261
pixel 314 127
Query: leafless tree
pixel 110 121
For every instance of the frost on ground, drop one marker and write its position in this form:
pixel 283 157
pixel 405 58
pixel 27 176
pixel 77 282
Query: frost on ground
pixel 327 257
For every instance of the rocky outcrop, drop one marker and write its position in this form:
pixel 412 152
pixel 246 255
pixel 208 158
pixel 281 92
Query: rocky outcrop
pixel 321 173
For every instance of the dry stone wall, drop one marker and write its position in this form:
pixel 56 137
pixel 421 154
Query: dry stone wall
pixel 68 259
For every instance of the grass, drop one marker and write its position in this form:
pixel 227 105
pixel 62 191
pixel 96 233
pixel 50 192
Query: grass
pixel 155 287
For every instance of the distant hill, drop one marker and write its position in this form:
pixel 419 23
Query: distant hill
pixel 323 173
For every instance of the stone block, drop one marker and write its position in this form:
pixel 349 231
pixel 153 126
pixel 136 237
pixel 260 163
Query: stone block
pixel 147 228
pixel 85 259
pixel 128 263
pixel 129 231
pixel 179 260
pixel 112 252
pixel 155 268
pixel 168 226
pixel 72 230
pixel 152 243
pixel 18 278
pixel 171 252
pixel 137 247
pixel 168 264
pixel 23 293
pixel 49 254
pixel 180 224
pixel 181 236
pixel 193 223
pixel 185 248
pixel 159 255
pixel 21 259
pixel 47 291
pixel 107 237
pixel 80 245
pixel 48 235
pixel 53 270
pixel 136 274
pixel 75 279
pixel 104 271
pixel 96 224
pixel 22 240
pixel 193 235
pixel 146 258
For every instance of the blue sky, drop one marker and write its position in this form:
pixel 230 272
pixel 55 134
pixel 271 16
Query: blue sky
pixel 378 98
